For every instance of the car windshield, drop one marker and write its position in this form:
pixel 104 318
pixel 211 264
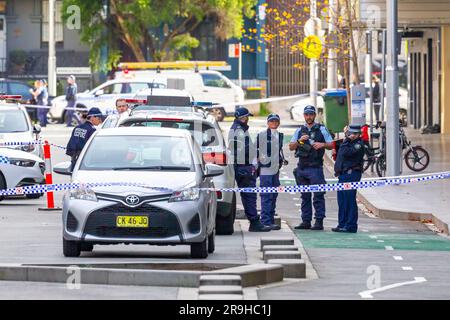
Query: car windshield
pixel 205 134
pixel 146 153
pixel 13 121
pixel 163 108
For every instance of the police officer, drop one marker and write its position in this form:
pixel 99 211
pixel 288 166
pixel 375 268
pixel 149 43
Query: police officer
pixel 269 150
pixel 243 156
pixel 349 167
pixel 309 143
pixel 41 97
pixel 71 96
pixel 121 106
pixel 82 133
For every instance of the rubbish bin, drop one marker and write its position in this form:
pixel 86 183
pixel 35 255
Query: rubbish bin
pixel 335 109
pixel 253 93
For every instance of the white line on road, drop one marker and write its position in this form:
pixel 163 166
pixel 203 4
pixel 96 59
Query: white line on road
pixel 380 241
pixel 398 258
pixel 368 293
pixel 417 241
pixel 407 268
pixel 389 248
pixel 365 230
pixel 373 237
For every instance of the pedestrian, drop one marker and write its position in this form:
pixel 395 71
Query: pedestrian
pixel 243 155
pixel 309 143
pixel 71 97
pixel 349 167
pixel 270 158
pixel 376 97
pixel 82 133
pixel 121 106
pixel 40 95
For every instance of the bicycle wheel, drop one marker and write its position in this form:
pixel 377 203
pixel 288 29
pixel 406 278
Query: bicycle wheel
pixel 417 158
pixel 369 157
pixel 381 166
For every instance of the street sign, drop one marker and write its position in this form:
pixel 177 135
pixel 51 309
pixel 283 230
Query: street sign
pixel 233 50
pixel 358 107
pixel 73 70
pixel 312 47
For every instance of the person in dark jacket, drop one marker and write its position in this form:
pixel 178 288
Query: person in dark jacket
pixel 349 167
pixel 376 97
pixel 82 133
pixel 71 97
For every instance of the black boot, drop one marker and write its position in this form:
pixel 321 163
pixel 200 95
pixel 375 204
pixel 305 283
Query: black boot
pixel 318 225
pixel 257 226
pixel 304 225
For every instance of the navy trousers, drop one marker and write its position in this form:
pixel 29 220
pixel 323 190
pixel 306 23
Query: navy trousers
pixel 309 176
pixel 245 177
pixel 348 209
pixel 42 117
pixel 269 200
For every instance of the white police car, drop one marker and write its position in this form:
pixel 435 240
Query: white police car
pixel 104 96
pixel 20 169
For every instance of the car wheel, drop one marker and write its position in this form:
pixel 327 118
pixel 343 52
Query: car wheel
pixel 225 225
pixel 50 120
pixel 211 242
pixel 34 195
pixel 2 185
pixel 218 113
pixel 200 250
pixel 71 248
pixel 88 247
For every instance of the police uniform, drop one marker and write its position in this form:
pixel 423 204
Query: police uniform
pixel 270 158
pixel 80 135
pixel 309 170
pixel 42 100
pixel 349 167
pixel 243 153
pixel 71 96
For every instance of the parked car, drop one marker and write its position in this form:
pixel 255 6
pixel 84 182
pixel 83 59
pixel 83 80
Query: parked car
pixel 208 135
pixel 177 211
pixel 204 85
pixel 15 87
pixel 21 169
pixel 104 97
pixel 16 126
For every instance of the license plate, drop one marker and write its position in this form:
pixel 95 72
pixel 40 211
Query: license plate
pixel 132 221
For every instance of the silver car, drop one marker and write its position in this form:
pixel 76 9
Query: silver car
pixel 172 208
pixel 208 135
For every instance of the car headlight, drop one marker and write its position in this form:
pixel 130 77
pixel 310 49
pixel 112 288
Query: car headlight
pixel 190 194
pixel 22 162
pixel 83 194
pixel 26 148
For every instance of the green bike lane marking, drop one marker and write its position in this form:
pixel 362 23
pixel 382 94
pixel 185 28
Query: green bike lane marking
pixel 399 241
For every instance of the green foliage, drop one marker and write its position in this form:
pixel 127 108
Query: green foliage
pixel 263 110
pixel 18 57
pixel 161 29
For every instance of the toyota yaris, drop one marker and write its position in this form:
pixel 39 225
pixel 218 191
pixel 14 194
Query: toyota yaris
pixel 173 206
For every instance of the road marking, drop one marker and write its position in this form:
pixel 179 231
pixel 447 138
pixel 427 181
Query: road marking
pixel 380 241
pixel 417 241
pixel 398 258
pixel 365 230
pixel 296 199
pixel 389 248
pixel 407 268
pixel 373 237
pixel 368 293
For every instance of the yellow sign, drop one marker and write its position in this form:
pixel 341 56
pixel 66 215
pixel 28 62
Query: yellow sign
pixel 312 47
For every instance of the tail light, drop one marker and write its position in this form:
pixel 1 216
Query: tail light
pixel 219 195
pixel 219 158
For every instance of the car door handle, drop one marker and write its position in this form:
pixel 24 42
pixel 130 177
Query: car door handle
pixel 205 90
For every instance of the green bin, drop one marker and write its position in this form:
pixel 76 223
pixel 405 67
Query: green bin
pixel 335 109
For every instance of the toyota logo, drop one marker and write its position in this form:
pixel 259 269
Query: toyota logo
pixel 132 200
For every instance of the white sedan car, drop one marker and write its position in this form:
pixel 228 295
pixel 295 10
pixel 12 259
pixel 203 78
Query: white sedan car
pixel 20 169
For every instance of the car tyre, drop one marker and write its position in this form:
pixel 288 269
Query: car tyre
pixel 34 195
pixel 88 247
pixel 225 225
pixel 200 250
pixel 71 248
pixel 212 242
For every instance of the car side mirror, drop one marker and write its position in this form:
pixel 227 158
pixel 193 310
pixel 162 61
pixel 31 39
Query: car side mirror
pixel 37 129
pixel 213 170
pixel 99 92
pixel 63 168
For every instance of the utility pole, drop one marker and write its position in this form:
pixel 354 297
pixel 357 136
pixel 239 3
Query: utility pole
pixel 332 56
pixel 51 49
pixel 313 62
pixel 368 78
pixel 240 65
pixel 392 125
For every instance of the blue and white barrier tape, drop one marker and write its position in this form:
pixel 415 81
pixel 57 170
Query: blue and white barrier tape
pixel 36 142
pixel 280 189
pixel 4 160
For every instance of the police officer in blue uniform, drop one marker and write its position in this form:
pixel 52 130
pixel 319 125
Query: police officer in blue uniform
pixel 309 143
pixel 270 158
pixel 82 133
pixel 243 155
pixel 349 167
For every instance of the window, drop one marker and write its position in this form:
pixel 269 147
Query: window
pixel 112 89
pixel 58 21
pixel 214 80
pixel 12 121
pixel 133 87
pixel 17 88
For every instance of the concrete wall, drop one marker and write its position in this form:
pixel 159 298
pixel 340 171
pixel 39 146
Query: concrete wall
pixel 445 80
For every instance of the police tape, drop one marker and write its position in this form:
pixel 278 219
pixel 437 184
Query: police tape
pixel 343 186
pixel 26 143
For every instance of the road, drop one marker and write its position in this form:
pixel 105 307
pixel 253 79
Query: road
pixel 386 254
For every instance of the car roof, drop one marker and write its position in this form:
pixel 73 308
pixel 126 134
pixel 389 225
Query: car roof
pixel 143 131
pixel 142 114
pixel 127 80
pixel 11 106
pixel 163 92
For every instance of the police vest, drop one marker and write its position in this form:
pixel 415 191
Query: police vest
pixel 268 149
pixel 307 155
pixel 237 125
pixel 350 156
pixel 80 135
